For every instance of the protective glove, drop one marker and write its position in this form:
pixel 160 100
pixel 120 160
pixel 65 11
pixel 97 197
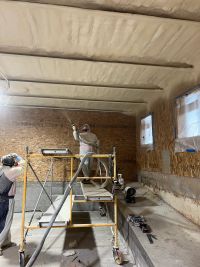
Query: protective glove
pixel 18 159
pixel 73 127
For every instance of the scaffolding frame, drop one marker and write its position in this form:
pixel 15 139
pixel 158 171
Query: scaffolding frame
pixel 25 228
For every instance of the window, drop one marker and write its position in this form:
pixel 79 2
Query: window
pixel 188 115
pixel 146 131
pixel 188 122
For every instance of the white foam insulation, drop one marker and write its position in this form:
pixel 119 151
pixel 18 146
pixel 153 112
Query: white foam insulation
pixel 96 55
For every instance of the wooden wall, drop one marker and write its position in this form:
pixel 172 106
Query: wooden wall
pixel 45 128
pixel 182 164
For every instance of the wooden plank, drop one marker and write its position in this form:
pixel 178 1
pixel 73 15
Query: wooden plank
pixel 63 216
pixel 92 192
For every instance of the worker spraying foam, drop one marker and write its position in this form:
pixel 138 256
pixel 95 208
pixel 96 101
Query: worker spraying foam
pixel 88 143
pixel 11 169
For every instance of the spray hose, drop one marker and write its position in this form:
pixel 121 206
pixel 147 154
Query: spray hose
pixel 66 193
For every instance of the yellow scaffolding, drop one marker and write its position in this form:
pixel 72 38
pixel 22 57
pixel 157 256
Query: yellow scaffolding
pixel 117 254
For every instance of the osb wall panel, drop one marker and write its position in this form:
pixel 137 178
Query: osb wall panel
pixel 45 128
pixel 182 164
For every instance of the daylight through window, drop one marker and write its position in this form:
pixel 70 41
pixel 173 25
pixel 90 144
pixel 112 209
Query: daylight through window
pixel 188 115
pixel 146 134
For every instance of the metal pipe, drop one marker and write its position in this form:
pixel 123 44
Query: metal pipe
pixel 71 204
pixel 72 226
pixel 21 249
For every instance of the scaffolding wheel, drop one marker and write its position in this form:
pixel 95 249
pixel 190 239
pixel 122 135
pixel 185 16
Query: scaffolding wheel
pixel 21 258
pixel 118 256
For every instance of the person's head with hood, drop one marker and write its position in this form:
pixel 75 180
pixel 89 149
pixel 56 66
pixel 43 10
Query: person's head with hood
pixel 85 128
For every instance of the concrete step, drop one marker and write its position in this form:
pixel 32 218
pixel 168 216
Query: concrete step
pixel 178 239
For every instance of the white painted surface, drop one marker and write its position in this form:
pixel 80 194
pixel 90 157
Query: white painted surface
pixel 63 216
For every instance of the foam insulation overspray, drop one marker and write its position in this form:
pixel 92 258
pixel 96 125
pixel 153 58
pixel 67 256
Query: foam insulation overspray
pixel 54 29
pixel 30 31
pixel 47 128
pixel 183 166
pixel 26 28
pixel 171 8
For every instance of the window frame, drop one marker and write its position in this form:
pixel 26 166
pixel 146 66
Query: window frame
pixel 186 93
pixel 184 145
pixel 152 145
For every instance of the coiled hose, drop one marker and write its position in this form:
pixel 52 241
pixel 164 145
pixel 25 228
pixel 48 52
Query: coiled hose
pixel 66 193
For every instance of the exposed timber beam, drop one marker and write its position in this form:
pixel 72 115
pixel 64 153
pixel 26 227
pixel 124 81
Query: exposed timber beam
pixel 85 84
pixel 76 99
pixel 176 65
pixel 59 108
pixel 117 9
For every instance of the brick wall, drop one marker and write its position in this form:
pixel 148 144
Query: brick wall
pixel 45 128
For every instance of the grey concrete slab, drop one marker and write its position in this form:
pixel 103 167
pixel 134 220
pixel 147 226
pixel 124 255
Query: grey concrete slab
pixel 93 246
pixel 178 241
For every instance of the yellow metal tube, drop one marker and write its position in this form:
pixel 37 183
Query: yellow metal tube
pixel 21 249
pixel 116 244
pixel 71 197
pixel 71 226
pixel 84 201
pixel 69 156
pixel 94 177
pixel 91 225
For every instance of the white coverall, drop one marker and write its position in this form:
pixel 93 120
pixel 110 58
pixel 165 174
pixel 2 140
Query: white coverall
pixel 12 173
pixel 88 143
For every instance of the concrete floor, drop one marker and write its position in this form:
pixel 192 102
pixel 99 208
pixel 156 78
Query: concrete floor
pixel 90 247
pixel 177 245
pixel 178 239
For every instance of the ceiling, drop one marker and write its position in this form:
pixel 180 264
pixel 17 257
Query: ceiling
pixel 104 55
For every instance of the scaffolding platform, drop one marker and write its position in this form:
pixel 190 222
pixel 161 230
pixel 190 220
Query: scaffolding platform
pixel 63 217
pixel 92 193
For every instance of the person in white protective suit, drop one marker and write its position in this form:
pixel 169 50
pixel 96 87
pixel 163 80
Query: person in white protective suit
pixel 11 169
pixel 88 143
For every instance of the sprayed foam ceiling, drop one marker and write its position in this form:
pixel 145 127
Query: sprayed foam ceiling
pixel 97 55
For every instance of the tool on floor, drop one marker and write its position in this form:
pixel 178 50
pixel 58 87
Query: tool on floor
pixel 151 237
pixel 139 221
pixel 136 220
